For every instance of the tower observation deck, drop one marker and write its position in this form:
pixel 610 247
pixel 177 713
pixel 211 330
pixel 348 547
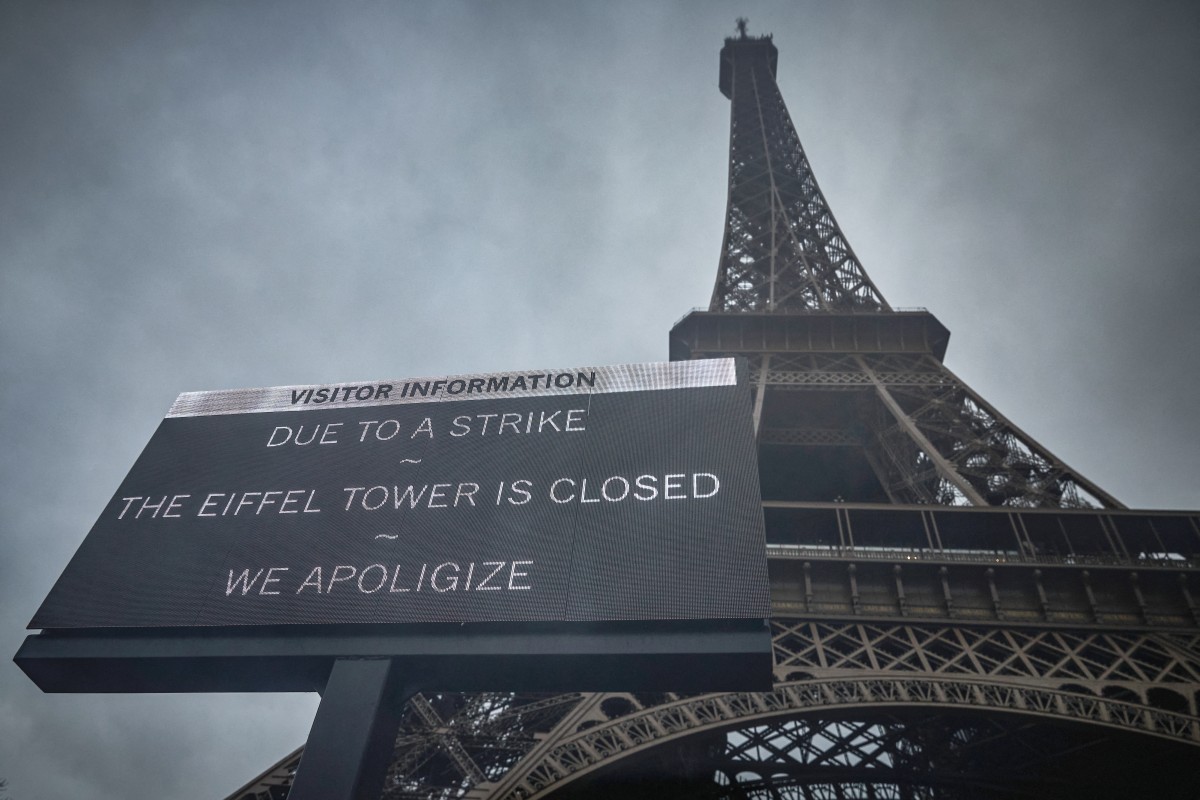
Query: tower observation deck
pixel 956 612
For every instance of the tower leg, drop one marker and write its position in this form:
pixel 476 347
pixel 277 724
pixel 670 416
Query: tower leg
pixel 354 732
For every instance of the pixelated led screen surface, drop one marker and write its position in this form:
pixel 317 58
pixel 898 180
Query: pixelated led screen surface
pixel 585 494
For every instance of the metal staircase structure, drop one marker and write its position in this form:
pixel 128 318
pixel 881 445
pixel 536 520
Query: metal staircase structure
pixel 956 612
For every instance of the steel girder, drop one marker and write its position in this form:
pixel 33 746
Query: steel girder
pixel 876 703
pixel 840 682
pixel 931 438
pixel 980 456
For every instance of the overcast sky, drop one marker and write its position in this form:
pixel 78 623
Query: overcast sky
pixel 212 195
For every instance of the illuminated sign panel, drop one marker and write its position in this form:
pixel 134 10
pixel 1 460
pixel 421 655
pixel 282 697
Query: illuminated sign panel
pixel 590 494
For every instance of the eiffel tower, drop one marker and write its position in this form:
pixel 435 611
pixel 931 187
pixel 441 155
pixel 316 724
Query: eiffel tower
pixel 956 612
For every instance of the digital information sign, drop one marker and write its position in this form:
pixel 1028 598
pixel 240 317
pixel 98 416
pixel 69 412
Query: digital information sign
pixel 597 494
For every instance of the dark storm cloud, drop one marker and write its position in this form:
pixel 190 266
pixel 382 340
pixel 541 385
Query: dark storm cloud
pixel 212 195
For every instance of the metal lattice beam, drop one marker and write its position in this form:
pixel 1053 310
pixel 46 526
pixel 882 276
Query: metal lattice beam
pixel 783 249
pixel 1109 680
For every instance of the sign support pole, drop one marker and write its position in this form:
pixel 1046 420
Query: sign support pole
pixel 354 732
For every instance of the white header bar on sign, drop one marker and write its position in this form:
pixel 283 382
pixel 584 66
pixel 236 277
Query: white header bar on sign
pixel 484 386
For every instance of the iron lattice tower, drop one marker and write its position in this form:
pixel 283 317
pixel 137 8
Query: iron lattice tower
pixel 956 612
